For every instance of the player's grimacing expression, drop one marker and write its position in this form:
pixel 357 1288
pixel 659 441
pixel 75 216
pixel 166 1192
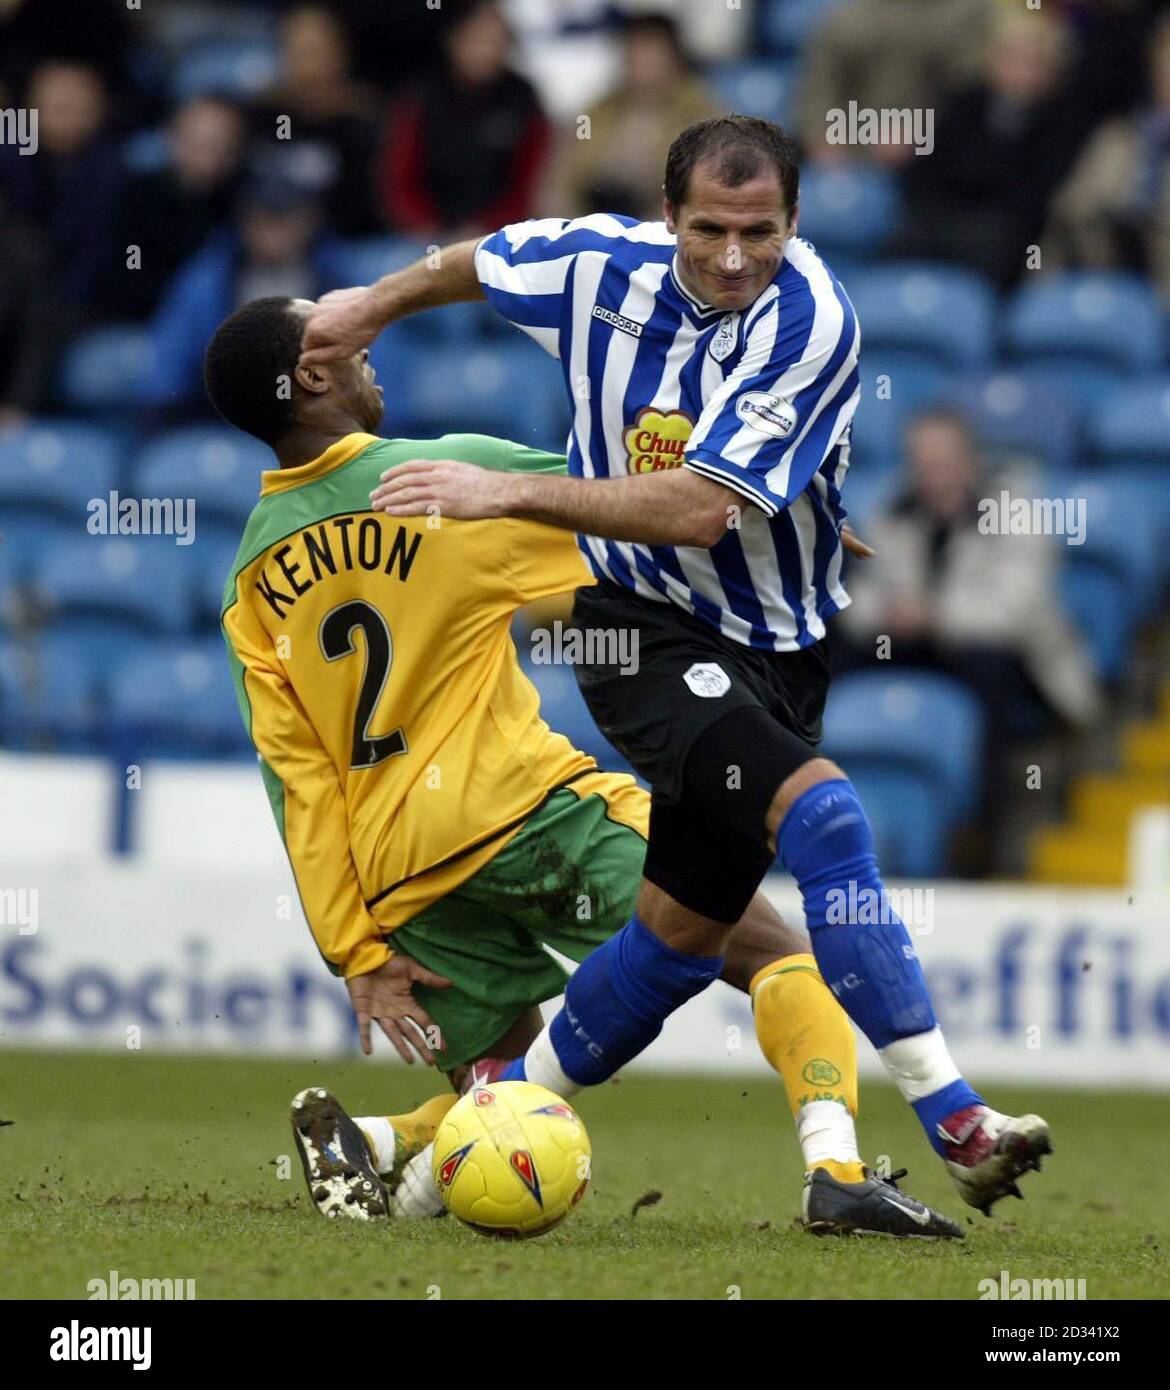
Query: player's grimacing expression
pixel 350 383
pixel 730 240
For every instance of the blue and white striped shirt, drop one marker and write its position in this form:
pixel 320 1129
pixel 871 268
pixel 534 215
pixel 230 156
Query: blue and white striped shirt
pixel 760 400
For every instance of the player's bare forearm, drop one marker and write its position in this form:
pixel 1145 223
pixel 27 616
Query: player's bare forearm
pixel 345 321
pixel 668 508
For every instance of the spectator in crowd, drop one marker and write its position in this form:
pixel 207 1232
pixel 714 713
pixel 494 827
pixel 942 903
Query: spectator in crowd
pixel 96 32
pixel 886 55
pixel 1114 210
pixel 464 148
pixel 612 160
pixel 277 249
pixel 954 597
pixel 169 213
pixel 1002 147
pixel 28 336
pixel 70 190
pixel 329 121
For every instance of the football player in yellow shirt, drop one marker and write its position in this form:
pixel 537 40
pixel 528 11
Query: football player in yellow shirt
pixel 440 834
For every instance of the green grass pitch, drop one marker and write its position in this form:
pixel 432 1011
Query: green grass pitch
pixel 167 1167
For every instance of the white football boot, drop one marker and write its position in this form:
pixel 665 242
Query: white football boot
pixel 986 1152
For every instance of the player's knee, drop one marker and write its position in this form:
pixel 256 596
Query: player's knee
pixel 794 786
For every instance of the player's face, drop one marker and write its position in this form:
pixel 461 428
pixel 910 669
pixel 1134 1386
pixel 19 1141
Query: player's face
pixel 351 382
pixel 730 240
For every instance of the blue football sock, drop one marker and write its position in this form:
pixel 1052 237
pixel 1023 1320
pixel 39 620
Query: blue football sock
pixel 861 945
pixel 616 1003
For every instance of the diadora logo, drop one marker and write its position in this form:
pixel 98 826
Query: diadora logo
pixel 656 439
pixel 618 321
pixel 452 1164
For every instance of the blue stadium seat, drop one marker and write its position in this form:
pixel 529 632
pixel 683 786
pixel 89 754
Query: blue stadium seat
pixel 909 832
pixel 228 67
pixel 56 468
pixel 894 387
pixel 51 689
pixel 1015 417
pixel 1124 535
pixel 362 260
pixel 847 212
pixel 27 534
pixel 563 709
pixel 1087 328
pixel 513 390
pixel 219 467
pixel 177 698
pixel 786 26
pixel 1096 598
pixel 133 580
pixel 919 306
pixel 212 563
pixel 756 89
pixel 107 368
pixel 1132 424
pixel 918 722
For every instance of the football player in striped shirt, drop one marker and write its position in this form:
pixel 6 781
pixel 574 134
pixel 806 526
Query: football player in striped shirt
pixel 711 364
pixel 439 832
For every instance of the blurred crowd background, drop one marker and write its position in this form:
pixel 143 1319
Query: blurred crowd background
pixel 1013 289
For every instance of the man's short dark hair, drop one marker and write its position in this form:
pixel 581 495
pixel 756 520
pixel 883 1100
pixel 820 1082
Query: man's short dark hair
pixel 740 148
pixel 249 364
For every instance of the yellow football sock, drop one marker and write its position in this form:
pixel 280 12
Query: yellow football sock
pixel 412 1132
pixel 805 1035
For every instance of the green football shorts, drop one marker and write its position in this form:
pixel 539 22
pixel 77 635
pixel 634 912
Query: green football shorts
pixel 567 880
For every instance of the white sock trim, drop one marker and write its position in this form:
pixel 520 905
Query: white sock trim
pixel 381 1138
pixel 542 1066
pixel 919 1065
pixel 826 1130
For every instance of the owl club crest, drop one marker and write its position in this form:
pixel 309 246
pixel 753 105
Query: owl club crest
pixel 656 439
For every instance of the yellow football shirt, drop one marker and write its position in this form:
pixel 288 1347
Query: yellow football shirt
pixel 400 742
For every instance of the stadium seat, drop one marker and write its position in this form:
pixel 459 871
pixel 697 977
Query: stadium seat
pixel 915 721
pixel 1096 598
pixel 177 698
pixel 514 390
pixel 106 368
pixel 847 213
pixel 132 580
pixel 922 307
pixel 212 563
pixel 219 467
pixel 756 89
pixel 786 26
pixel 1086 329
pixel 894 387
pixel 1123 535
pixel 362 260
pixel 902 806
pixel 55 469
pixel 51 692
pixel 1132 424
pixel 1015 418
pixel 237 68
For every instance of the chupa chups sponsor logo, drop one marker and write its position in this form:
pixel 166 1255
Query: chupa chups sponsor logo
pixel 656 439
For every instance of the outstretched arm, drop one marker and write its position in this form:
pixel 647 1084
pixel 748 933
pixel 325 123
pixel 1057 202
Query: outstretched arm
pixel 345 321
pixel 667 508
